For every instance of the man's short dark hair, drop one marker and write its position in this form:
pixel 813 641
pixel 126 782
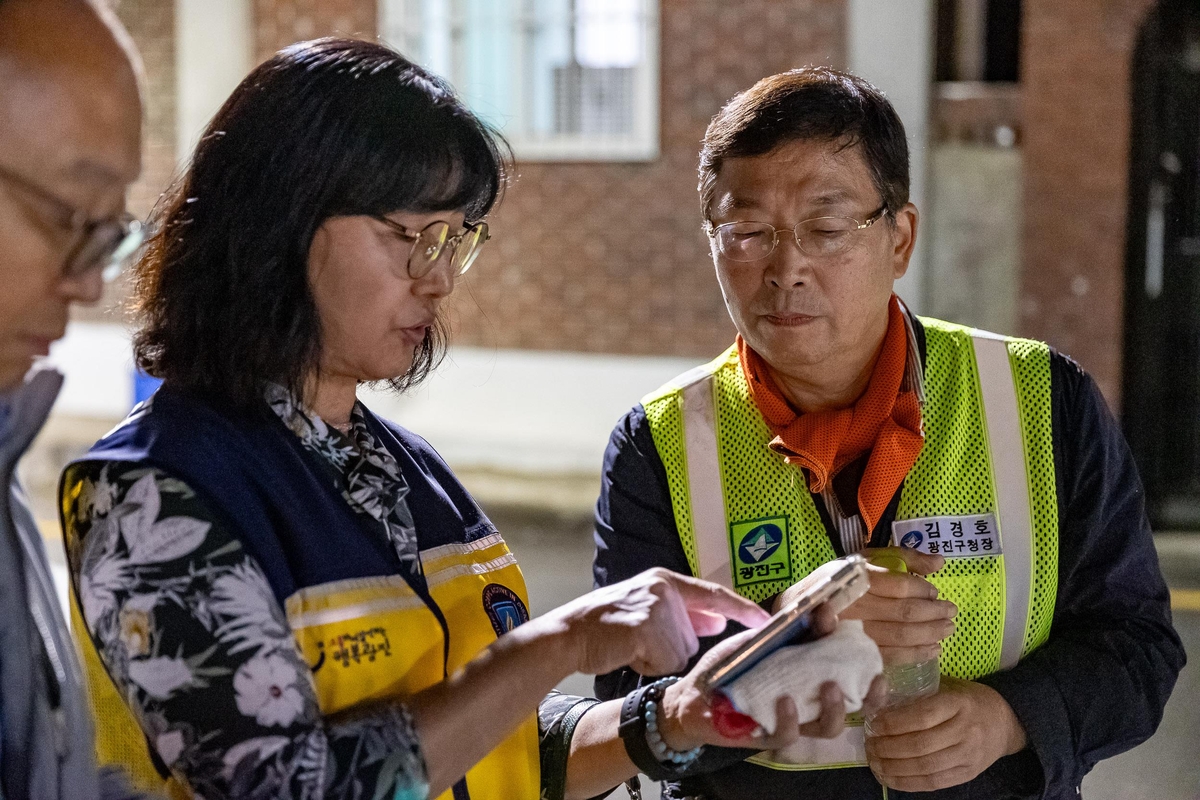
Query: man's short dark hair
pixel 323 129
pixel 813 103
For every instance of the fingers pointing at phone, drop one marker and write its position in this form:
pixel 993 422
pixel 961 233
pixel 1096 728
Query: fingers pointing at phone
pixel 650 622
pixel 709 605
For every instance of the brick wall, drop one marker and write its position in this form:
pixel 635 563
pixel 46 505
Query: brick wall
pixel 1077 68
pixel 278 23
pixel 610 257
pixel 151 23
pixel 607 257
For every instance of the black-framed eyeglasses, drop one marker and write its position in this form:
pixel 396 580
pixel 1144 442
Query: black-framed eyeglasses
pixel 94 244
pixel 819 236
pixel 434 240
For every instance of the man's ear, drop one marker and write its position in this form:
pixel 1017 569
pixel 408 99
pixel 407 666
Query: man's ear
pixel 904 238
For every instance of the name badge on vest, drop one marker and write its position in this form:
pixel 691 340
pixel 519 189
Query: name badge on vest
pixel 952 537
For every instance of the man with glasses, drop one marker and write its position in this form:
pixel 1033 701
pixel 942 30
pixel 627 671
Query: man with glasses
pixel 70 138
pixel 988 468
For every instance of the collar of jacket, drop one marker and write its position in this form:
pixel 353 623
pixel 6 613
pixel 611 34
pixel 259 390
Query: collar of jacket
pixel 27 407
pixel 914 367
pixel 53 752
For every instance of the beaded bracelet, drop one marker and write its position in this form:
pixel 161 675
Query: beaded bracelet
pixel 662 751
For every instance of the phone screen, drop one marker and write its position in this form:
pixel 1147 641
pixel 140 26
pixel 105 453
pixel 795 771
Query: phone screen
pixel 798 631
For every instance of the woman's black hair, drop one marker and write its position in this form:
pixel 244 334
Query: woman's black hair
pixel 327 128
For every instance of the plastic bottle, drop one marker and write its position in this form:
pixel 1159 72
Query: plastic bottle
pixel 907 682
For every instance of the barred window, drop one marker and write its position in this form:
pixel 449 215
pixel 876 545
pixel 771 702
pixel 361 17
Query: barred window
pixel 562 79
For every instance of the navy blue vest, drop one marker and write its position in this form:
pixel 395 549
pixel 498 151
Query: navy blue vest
pixel 279 501
pixel 288 512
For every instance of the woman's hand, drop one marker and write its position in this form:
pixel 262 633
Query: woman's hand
pixel 687 719
pixel 650 622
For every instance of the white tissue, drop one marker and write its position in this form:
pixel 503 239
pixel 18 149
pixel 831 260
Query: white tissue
pixel 847 657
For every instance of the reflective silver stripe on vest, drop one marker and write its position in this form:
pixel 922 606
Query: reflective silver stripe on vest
pixel 1007 447
pixel 705 490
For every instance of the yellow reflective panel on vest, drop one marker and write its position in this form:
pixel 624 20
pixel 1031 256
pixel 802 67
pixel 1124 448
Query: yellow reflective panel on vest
pixel 956 476
pixel 953 477
pixel 373 638
pixel 366 639
pixel 483 595
pixel 769 535
pixel 119 738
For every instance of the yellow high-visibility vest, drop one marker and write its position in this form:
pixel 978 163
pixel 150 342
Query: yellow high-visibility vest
pixel 983 486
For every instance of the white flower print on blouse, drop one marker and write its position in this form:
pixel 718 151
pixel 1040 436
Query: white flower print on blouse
pixel 130 541
pixel 97 497
pixel 161 677
pixel 256 750
pixel 170 745
pixel 267 689
pixel 148 539
pixel 242 598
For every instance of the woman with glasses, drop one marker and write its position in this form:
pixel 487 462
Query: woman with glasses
pixel 294 597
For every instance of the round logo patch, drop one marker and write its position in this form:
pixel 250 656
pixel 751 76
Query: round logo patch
pixel 504 608
pixel 912 540
pixel 760 543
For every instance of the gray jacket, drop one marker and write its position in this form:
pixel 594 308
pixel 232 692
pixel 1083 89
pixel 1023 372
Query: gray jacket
pixel 46 745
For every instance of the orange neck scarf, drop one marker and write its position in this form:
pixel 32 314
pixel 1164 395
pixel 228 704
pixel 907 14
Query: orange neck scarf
pixel 884 421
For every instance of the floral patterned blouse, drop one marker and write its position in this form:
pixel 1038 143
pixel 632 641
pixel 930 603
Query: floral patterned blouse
pixel 189 629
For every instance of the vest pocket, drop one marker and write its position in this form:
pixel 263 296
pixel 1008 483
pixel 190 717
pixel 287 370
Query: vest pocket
pixel 976 586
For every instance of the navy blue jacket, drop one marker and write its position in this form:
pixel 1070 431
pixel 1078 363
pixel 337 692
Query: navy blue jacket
pixel 1096 689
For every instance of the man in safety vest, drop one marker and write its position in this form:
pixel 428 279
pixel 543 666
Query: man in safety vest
pixel 840 422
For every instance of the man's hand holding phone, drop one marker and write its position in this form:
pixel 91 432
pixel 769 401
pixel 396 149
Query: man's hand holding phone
pixel 900 611
pixel 687 719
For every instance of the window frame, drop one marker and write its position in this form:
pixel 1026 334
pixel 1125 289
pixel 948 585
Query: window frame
pixel 643 144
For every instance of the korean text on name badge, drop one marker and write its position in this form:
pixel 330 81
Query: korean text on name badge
pixel 952 537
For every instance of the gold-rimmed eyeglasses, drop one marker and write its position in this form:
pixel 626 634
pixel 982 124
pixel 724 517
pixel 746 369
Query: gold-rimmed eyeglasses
pixel 819 236
pixel 431 242
pixel 106 244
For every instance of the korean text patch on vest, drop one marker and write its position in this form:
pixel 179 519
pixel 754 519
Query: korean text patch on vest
pixel 952 537
pixel 342 625
pixel 760 550
pixel 365 639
